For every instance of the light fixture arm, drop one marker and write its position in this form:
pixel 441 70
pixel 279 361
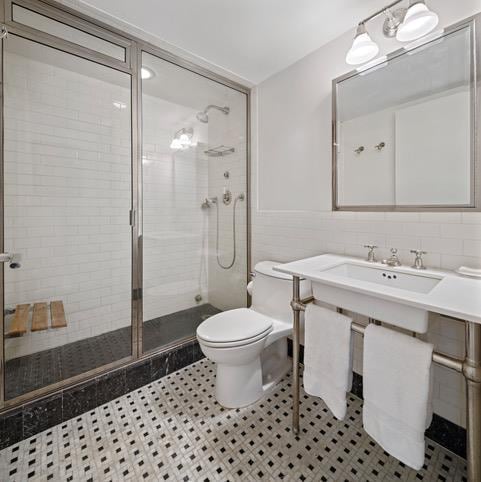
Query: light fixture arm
pixel 381 11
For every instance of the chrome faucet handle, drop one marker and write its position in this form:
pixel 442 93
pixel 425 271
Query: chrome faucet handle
pixel 393 260
pixel 371 255
pixel 418 260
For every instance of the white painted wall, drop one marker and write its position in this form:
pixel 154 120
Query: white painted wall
pixel 426 159
pixel 291 203
pixel 367 178
pixel 433 151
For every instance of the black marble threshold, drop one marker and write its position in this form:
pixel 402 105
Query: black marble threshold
pixel 39 415
pixel 442 431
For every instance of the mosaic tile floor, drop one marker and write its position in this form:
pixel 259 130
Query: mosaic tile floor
pixel 174 430
pixel 43 368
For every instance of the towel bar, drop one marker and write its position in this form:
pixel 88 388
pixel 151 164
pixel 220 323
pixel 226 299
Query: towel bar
pixel 470 367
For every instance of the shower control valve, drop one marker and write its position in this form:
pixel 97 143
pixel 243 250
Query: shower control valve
pixel 226 197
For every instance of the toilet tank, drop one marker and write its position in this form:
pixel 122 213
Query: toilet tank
pixel 272 291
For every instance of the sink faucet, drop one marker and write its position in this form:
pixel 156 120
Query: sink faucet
pixel 418 260
pixel 371 255
pixel 393 260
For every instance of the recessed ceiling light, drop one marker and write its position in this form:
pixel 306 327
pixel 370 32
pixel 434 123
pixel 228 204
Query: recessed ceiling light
pixel 146 73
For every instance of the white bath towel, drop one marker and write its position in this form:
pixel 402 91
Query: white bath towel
pixel 397 386
pixel 328 357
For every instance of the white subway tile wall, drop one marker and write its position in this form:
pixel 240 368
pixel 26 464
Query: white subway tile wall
pixel 174 224
pixel 67 192
pixel 179 235
pixel 227 287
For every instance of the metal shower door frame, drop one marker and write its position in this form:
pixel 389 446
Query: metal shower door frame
pixel 134 47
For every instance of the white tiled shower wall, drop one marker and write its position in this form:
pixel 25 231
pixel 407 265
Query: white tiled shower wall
pixel 227 287
pixel 175 228
pixel 67 177
pixel 291 198
pixel 67 199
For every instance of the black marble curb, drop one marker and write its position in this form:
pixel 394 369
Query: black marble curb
pixel 34 417
pixel 447 434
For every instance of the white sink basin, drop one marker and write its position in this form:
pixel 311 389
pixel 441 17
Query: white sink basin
pixel 418 283
pixel 369 290
pixel 399 296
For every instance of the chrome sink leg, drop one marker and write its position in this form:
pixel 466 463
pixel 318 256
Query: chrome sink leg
pixel 472 372
pixel 295 353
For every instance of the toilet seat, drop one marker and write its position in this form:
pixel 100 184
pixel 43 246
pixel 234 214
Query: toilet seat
pixel 232 328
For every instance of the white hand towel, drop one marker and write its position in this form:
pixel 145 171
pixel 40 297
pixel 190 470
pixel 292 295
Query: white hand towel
pixel 397 386
pixel 328 357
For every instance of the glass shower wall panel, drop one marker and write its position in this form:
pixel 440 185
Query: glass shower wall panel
pixel 67 191
pixel 194 151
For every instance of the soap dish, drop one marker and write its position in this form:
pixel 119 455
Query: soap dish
pixel 470 272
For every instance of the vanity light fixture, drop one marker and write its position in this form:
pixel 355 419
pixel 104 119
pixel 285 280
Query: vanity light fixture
pixel 363 48
pixel 404 24
pixel 182 139
pixel 418 22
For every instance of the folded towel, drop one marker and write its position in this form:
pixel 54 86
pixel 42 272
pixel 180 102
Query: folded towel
pixel 397 388
pixel 328 357
pixel 465 271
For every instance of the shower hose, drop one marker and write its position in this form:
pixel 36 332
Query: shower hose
pixel 240 197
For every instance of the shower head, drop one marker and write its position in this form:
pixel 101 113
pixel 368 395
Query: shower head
pixel 203 116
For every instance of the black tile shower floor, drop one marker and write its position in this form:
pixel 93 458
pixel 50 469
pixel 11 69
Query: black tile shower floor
pixel 170 328
pixel 27 373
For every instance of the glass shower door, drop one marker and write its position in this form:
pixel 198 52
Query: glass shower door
pixel 67 197
pixel 194 200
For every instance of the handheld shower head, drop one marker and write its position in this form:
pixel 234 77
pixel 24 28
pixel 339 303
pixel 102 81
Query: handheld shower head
pixel 203 116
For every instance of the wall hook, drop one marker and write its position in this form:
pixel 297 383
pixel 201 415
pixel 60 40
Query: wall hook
pixel 359 150
pixel 380 146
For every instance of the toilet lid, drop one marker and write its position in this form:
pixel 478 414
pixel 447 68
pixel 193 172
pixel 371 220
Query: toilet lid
pixel 234 325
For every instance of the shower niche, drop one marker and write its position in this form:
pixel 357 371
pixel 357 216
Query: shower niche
pixel 194 216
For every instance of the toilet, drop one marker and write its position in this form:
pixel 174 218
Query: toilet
pixel 249 345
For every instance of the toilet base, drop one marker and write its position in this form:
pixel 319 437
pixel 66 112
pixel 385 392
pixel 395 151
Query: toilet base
pixel 241 385
pixel 238 386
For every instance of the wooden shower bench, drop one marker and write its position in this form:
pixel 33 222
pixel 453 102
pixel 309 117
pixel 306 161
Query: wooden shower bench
pixel 40 318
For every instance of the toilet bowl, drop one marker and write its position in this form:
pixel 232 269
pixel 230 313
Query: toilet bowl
pixel 249 345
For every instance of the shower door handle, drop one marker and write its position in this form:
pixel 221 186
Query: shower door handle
pixel 6 257
pixel 12 258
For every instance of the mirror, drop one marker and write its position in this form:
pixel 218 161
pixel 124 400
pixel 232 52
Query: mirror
pixel 404 129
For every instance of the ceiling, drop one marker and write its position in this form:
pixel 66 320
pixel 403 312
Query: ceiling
pixel 252 39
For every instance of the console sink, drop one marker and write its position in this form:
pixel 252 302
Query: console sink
pixel 418 283
pixel 400 296
pixel 389 294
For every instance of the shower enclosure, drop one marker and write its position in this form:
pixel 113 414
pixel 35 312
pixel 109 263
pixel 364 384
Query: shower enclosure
pixel 194 148
pixel 125 199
